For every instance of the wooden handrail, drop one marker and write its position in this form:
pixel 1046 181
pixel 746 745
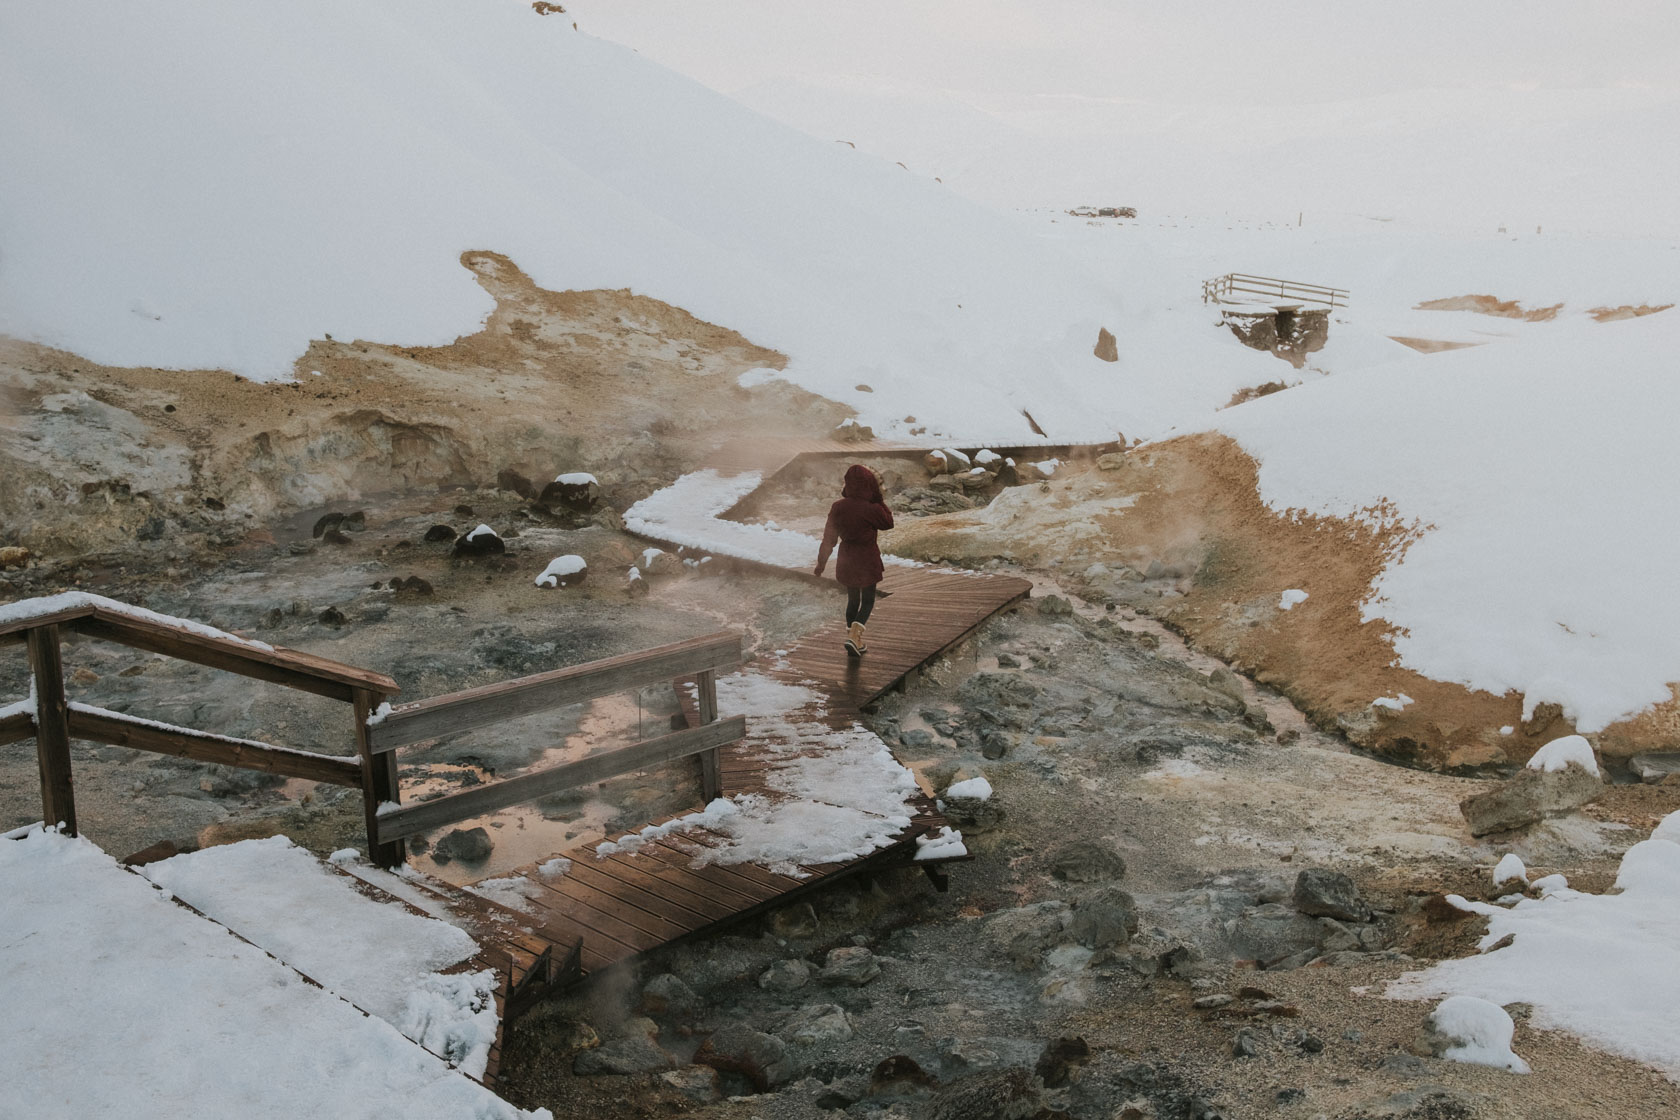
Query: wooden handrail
pixel 394 824
pixel 493 703
pixel 118 730
pixel 17 727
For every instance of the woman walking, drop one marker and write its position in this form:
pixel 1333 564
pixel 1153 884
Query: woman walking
pixel 853 521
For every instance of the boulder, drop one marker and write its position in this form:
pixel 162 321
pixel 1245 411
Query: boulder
pixel 817 1024
pixel 794 922
pixel 853 965
pixel 1329 894
pixel 850 431
pixel 785 976
pixel 564 571
pixel 482 541
pixel 623 1056
pixel 324 522
pixel 1025 933
pixel 1105 917
pixel 577 491
pixel 697 1083
pixel 1086 861
pixel 665 994
pixel 1107 348
pixel 1530 796
pixel 507 479
pixel 439 533
pixel 1113 461
pixel 469 845
pixel 760 1058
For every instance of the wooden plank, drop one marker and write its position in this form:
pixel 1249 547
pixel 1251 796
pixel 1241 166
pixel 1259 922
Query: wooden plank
pixel 182 742
pixel 17 727
pixel 479 707
pixel 661 900
pixel 687 891
pixel 599 906
pixel 513 791
pixel 14 632
pixel 711 785
pixel 379 781
pixel 247 661
pixel 602 932
pixel 52 729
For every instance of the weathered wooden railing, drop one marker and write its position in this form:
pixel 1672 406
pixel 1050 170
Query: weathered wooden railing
pixel 1270 288
pixel 455 712
pixel 52 720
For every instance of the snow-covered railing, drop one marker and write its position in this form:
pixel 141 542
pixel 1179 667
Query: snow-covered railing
pixel 1241 284
pixel 52 720
pixel 425 720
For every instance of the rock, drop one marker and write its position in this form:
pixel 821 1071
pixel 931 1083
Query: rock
pixel 1113 461
pixel 1107 916
pixel 621 1056
pixel 761 1058
pixel 1107 347
pixel 1023 934
pixel 1007 661
pixel 507 479
pixel 899 1076
pixel 917 739
pixel 469 845
pixel 1329 894
pixel 463 510
pixel 850 431
pixel 577 492
pixel 1086 861
pixel 1530 796
pixel 785 976
pixel 14 556
pixel 1054 606
pixel 332 616
pixel 482 541
pixel 1138 1108
pixel 665 994
pixel 413 585
pixel 794 922
pixel 817 1024
pixel 1223 680
pixel 1271 934
pixel 1011 690
pixel 697 1083
pixel 1213 1002
pixel 852 965
pixel 1247 1044
pixel 439 533
pixel 1060 1058
pixel 1013 1093
pixel 355 521
pixel 1652 768
pixel 325 522
pixel 335 536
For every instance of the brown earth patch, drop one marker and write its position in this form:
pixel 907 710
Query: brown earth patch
pixel 1626 311
pixel 1432 345
pixel 1254 393
pixel 1489 305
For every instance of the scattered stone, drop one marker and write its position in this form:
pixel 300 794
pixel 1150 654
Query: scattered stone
pixel 1247 1044
pixel 899 1075
pixel 622 1056
pixel 697 1083
pixel 482 541
pixel 1008 661
pixel 1054 606
pixel 1001 1093
pixel 1086 861
pixel 761 1058
pixel 1653 768
pixel 413 585
pixel 1105 917
pixel 1323 893
pixel 332 616
pixel 785 976
pixel 852 965
pixel 1212 1002
pixel 564 571
pixel 917 739
pixel 667 995
pixel 14 556
pixel 576 491
pixel 1530 796
pixel 84 675
pixel 355 521
pixel 1113 461
pixel 325 522
pixel 507 479
pixel 850 431
pixel 794 922
pixel 469 845
pixel 463 510
pixel 817 1024
pixel 439 533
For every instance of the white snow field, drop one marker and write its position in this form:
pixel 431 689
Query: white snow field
pixel 122 1003
pixel 194 184
pixel 1603 967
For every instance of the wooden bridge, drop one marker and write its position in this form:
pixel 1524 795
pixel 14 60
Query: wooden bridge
pixel 601 910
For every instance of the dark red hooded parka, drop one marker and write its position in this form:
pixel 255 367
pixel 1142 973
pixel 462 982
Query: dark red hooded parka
pixel 853 521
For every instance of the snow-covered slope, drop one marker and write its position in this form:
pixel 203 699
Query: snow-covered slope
pixel 1543 470
pixel 197 184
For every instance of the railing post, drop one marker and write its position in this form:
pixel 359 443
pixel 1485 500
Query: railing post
pixel 379 781
pixel 711 769
pixel 52 729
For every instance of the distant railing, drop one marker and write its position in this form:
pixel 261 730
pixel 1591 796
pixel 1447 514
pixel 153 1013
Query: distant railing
pixel 700 658
pixel 1241 284
pixel 52 720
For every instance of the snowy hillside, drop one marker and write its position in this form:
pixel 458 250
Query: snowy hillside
pixel 1469 116
pixel 193 184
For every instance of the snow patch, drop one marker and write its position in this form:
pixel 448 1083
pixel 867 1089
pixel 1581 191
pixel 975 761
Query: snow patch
pixel 1559 753
pixel 1288 600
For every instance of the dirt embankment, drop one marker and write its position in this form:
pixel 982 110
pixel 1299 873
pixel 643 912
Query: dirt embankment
pixel 1178 531
pixel 98 458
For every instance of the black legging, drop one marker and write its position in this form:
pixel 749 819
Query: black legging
pixel 859 602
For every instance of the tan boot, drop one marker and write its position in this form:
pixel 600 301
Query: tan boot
pixel 854 640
